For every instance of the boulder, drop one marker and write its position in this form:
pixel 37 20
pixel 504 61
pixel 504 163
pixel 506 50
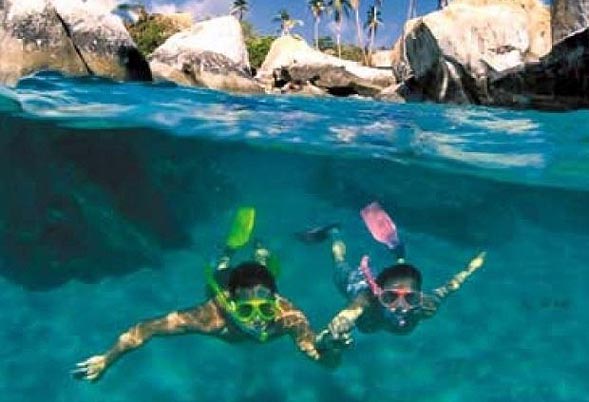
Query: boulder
pixel 568 17
pixel 81 204
pixel 382 59
pixel 211 54
pixel 66 36
pixel 33 38
pixel 203 69
pixel 559 81
pixel 102 40
pixel 330 79
pixel 292 59
pixel 180 21
pixel 394 93
pixel 451 52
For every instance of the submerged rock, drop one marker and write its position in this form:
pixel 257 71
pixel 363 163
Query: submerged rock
pixel 291 59
pixel 9 101
pixel 89 204
pixel 67 36
pixel 211 54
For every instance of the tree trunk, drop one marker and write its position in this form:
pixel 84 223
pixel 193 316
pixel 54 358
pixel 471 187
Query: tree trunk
pixel 316 33
pixel 338 37
pixel 372 35
pixel 359 36
pixel 409 7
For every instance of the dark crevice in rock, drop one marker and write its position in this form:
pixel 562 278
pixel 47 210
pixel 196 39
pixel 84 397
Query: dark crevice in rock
pixel 136 65
pixel 342 91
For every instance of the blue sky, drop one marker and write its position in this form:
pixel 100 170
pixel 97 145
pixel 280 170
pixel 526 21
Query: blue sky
pixel 262 12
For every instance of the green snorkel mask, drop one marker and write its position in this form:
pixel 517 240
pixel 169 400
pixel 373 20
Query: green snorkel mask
pixel 244 313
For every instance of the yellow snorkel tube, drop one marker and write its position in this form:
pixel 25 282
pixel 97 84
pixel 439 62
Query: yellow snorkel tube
pixel 239 235
pixel 228 305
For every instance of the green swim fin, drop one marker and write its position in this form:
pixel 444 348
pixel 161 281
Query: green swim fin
pixel 242 227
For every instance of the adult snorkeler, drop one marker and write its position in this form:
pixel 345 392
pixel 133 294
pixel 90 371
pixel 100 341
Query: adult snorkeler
pixel 248 308
pixel 392 301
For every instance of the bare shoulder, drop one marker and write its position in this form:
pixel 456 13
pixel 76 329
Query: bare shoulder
pixel 207 317
pixel 289 314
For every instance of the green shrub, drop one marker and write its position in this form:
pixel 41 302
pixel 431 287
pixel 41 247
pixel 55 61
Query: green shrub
pixel 257 48
pixel 349 52
pixel 257 45
pixel 150 32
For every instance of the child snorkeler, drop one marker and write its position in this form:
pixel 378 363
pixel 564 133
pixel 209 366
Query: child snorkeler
pixel 394 300
pixel 248 308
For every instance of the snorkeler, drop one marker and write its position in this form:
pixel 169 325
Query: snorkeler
pixel 249 307
pixel 394 300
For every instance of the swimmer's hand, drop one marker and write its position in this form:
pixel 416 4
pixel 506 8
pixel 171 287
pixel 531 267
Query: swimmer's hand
pixel 91 368
pixel 326 341
pixel 341 326
pixel 308 348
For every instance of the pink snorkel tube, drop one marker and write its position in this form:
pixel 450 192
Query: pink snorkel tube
pixel 376 290
pixel 365 269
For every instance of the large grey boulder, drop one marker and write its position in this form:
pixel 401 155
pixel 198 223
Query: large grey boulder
pixel 202 69
pixel 102 40
pixel 211 54
pixel 291 59
pixel 450 53
pixel 68 36
pixel 559 81
pixel 568 17
pixel 33 39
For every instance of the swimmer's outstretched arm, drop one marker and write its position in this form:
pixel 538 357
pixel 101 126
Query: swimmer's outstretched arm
pixel 205 318
pixel 455 283
pixel 294 322
pixel 344 322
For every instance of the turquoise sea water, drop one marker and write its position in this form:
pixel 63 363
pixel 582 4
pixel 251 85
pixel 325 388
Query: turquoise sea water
pixel 114 196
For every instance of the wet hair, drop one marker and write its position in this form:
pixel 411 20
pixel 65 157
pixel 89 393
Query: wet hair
pixel 398 272
pixel 250 274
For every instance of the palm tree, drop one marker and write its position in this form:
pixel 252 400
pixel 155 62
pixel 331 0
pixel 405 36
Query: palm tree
pixel 411 13
pixel 412 9
pixel 240 7
pixel 317 8
pixel 286 22
pixel 372 24
pixel 339 9
pixel 356 6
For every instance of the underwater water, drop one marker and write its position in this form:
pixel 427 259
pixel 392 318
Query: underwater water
pixel 113 197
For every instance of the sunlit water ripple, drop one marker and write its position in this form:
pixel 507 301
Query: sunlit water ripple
pixel 517 146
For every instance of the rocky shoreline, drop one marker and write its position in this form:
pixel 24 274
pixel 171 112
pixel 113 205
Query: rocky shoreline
pixel 518 54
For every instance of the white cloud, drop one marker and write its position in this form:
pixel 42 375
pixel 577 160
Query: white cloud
pixel 198 8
